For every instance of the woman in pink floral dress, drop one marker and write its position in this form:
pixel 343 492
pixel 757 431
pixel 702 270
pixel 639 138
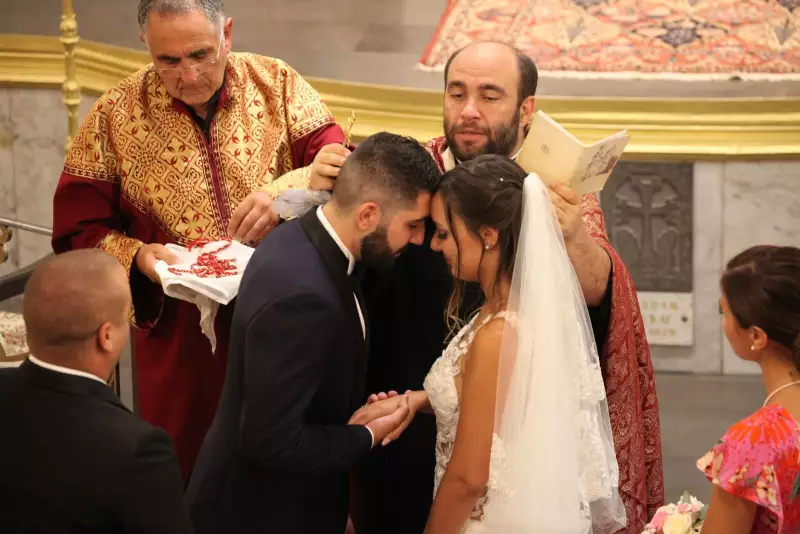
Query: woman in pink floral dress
pixel 756 465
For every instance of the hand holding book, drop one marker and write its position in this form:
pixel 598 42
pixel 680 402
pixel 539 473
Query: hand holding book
pixel 557 156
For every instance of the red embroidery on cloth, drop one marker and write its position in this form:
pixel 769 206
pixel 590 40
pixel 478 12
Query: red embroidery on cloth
pixel 208 265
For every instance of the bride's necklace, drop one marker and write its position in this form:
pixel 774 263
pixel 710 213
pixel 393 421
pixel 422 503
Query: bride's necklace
pixel 790 384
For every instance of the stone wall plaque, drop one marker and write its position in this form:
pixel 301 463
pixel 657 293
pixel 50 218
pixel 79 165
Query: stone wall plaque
pixel 648 211
pixel 668 317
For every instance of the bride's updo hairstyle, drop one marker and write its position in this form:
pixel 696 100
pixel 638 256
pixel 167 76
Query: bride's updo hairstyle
pixel 762 288
pixel 484 192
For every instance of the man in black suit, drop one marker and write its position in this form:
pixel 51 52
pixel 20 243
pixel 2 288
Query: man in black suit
pixel 283 446
pixel 72 457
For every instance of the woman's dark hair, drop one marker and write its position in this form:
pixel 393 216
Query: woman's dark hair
pixel 762 288
pixel 484 191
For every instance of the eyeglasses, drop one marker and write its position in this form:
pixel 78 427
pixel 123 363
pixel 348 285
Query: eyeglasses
pixel 199 66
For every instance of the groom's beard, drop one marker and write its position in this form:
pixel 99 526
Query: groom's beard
pixel 376 252
pixel 501 143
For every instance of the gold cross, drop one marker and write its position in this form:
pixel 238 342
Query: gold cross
pixel 349 129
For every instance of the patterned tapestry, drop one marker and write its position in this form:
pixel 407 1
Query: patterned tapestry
pixel 707 39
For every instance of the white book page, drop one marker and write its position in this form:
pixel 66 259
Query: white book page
pixel 550 151
pixel 597 162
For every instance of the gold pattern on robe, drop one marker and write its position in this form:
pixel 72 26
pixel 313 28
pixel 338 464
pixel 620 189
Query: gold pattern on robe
pixel 137 137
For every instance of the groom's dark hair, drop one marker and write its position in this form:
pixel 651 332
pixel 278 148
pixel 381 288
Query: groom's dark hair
pixel 388 169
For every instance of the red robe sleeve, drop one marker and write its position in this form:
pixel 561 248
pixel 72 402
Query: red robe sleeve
pixel 311 127
pixel 630 388
pixel 305 149
pixel 87 207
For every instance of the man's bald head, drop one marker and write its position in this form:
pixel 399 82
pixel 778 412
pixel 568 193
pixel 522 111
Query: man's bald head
pixel 500 55
pixel 488 100
pixel 71 296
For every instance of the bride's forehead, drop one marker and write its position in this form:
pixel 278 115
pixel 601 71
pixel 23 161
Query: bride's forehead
pixel 437 208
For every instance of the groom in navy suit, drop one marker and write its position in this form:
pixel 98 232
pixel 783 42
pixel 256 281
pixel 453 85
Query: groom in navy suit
pixel 279 455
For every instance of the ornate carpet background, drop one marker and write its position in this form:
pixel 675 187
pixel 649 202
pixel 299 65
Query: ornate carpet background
pixel 706 39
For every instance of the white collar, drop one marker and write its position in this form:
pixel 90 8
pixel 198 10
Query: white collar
pixel 450 162
pixel 63 370
pixel 327 225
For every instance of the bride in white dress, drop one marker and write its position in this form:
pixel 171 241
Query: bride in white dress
pixel 524 440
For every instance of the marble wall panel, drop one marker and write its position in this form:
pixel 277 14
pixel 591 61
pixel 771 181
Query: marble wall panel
pixel 761 206
pixel 38 122
pixel 38 118
pixel 705 354
pixel 8 196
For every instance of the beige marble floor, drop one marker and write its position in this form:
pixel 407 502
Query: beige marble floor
pixel 370 41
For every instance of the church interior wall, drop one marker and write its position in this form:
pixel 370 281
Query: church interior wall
pixel 734 204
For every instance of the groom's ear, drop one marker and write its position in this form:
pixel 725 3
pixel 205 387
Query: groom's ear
pixel 368 216
pixel 489 236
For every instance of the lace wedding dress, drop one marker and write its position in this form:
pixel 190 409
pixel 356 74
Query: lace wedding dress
pixel 440 385
pixel 552 468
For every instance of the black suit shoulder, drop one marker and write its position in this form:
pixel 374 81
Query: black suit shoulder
pixel 285 264
pixel 75 460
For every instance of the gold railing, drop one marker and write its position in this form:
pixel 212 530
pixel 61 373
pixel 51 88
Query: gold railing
pixel 70 88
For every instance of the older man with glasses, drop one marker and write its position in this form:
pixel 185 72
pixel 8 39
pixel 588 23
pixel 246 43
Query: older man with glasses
pixel 194 146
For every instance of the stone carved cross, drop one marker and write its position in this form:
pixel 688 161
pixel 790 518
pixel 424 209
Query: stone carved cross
pixel 646 187
pixel 649 219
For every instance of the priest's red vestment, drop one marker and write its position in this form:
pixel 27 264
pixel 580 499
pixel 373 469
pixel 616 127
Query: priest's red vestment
pixel 143 169
pixel 630 384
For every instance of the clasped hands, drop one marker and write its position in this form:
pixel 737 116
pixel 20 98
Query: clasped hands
pixel 387 415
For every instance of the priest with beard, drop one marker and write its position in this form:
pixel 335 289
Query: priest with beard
pixel 488 105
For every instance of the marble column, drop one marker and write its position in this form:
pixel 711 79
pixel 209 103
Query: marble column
pixel 761 206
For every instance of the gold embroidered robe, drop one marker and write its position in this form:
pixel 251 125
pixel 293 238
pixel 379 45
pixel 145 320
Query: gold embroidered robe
pixel 143 170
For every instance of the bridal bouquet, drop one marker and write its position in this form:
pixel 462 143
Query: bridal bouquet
pixel 685 517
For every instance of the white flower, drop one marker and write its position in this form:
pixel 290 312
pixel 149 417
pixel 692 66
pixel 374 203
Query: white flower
pixel 696 503
pixel 678 524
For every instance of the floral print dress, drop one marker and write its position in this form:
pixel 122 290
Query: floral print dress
pixel 758 460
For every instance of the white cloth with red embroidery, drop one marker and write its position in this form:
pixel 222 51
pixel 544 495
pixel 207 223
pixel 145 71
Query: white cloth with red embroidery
pixel 182 282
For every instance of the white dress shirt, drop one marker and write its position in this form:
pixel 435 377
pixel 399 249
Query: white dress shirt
pixel 351 263
pixel 63 370
pixel 350 259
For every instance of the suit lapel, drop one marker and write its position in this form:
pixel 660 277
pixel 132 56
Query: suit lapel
pixel 336 263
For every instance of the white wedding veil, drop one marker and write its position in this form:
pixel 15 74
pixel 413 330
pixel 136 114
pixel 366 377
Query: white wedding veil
pixel 560 470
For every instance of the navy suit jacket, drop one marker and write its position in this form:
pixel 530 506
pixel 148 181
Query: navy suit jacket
pixel 279 453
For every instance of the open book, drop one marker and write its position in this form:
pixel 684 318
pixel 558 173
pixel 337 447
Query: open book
pixel 557 156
